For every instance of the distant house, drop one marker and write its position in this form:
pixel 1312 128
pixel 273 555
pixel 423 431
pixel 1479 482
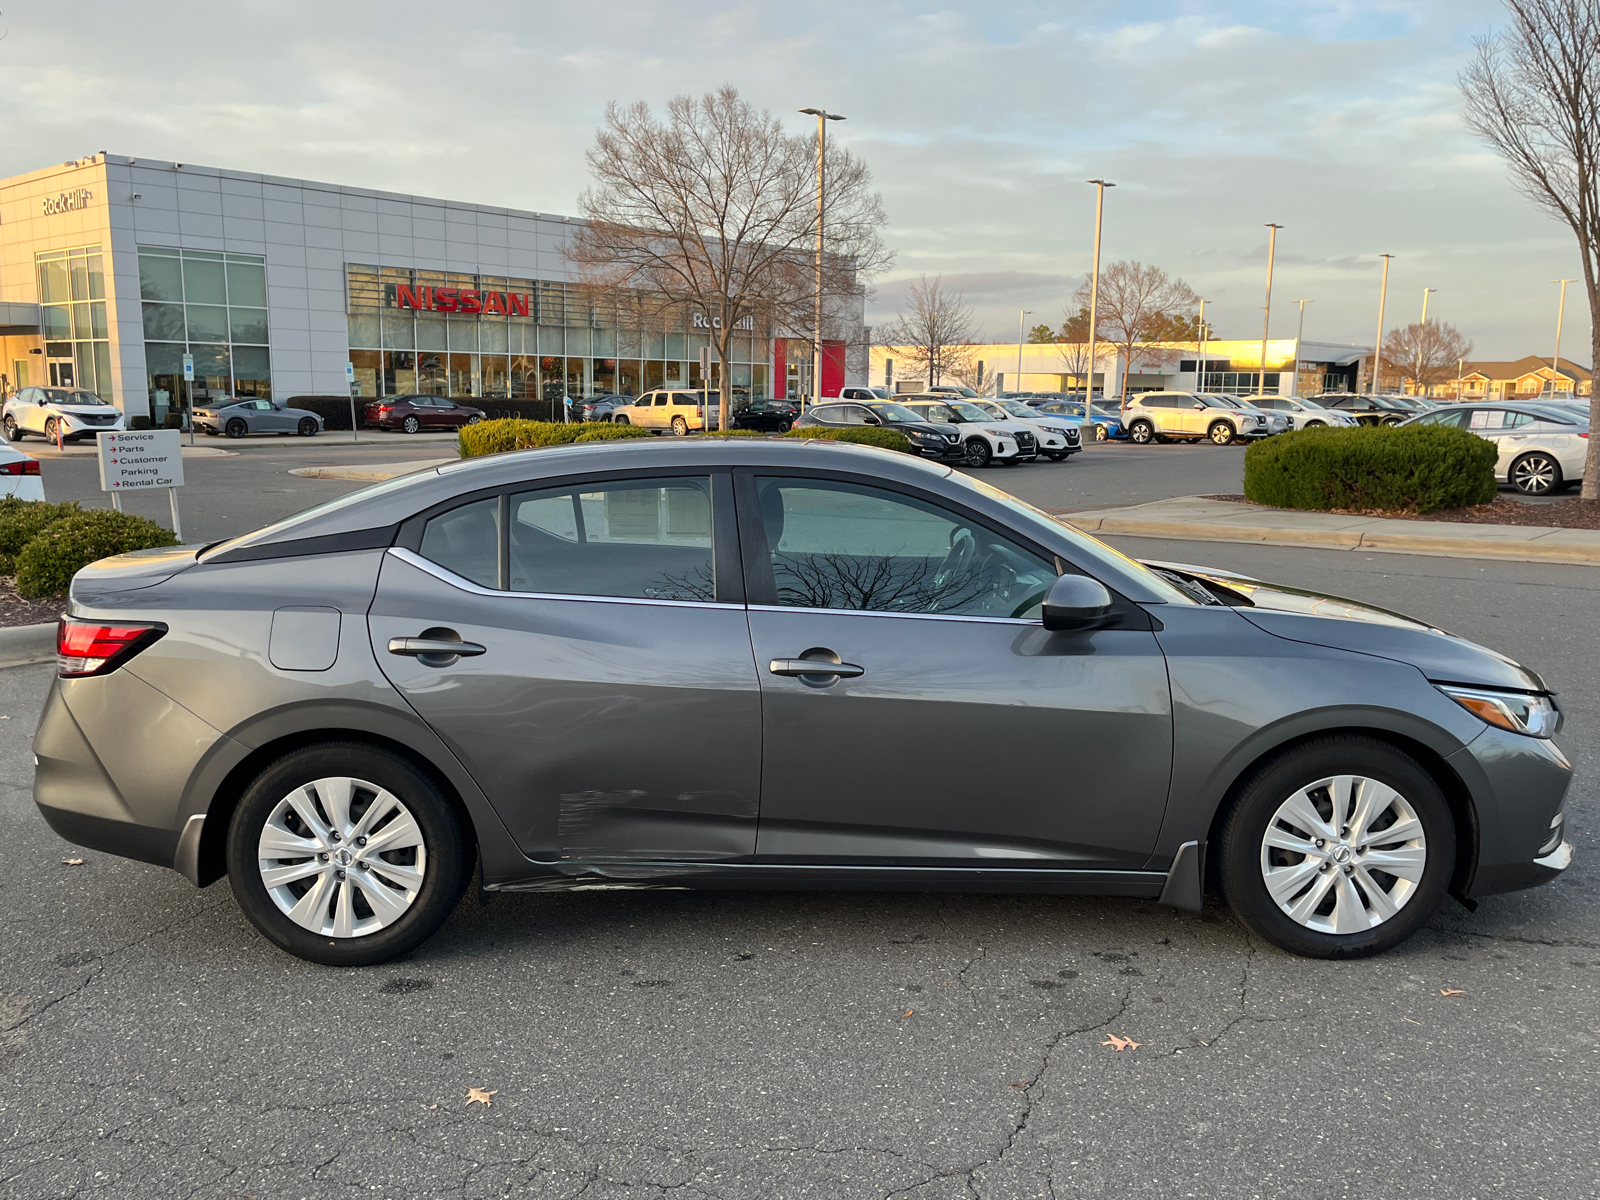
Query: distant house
pixel 1520 379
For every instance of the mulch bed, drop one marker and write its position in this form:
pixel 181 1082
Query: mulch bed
pixel 1562 514
pixel 14 610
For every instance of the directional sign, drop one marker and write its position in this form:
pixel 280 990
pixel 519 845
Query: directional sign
pixel 145 458
pixel 188 368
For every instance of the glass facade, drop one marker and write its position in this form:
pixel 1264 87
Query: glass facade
pixel 77 345
pixel 522 339
pixel 213 306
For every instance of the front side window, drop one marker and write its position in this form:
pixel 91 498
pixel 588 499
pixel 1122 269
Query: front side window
pixel 647 539
pixel 839 545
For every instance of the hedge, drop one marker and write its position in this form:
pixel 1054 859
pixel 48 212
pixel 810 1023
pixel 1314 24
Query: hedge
pixel 1416 469
pixel 610 433
pixel 46 565
pixel 862 435
pixel 23 520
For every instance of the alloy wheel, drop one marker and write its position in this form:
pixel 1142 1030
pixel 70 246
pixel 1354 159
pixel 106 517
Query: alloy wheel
pixel 1343 854
pixel 308 427
pixel 978 453
pixel 1221 433
pixel 1142 432
pixel 1100 433
pixel 1535 474
pixel 680 426
pixel 411 425
pixel 342 858
pixel 13 430
pixel 236 428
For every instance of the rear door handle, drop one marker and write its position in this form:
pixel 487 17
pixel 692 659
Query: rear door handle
pixel 812 666
pixel 418 647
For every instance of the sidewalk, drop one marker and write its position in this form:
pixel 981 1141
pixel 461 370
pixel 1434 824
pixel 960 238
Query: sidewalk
pixel 1191 518
pixel 372 472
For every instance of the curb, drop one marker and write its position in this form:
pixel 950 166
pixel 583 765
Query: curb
pixel 1547 547
pixel 373 472
pixel 21 645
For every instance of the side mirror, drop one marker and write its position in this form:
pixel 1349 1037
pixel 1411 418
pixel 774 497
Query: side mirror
pixel 1198 406
pixel 1076 602
pixel 874 421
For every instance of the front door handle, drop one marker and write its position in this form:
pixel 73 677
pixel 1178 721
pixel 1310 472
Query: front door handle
pixel 812 666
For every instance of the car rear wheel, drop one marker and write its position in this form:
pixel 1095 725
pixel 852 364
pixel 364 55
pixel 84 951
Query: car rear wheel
pixel 236 428
pixel 1536 474
pixel 1101 433
pixel 411 425
pixel 680 427
pixel 1142 433
pixel 1338 848
pixel 13 430
pixel 1220 433
pixel 346 854
pixel 978 453
pixel 307 427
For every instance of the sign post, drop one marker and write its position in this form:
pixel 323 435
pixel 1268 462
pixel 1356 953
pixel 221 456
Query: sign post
pixel 142 458
pixel 350 382
pixel 188 396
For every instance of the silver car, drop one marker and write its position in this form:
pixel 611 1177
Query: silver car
pixel 237 418
pixel 749 663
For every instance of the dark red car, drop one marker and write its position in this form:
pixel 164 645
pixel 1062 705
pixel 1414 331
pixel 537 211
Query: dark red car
pixel 412 413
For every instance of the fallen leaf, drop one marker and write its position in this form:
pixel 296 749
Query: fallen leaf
pixel 479 1096
pixel 1409 1019
pixel 907 1013
pixel 72 862
pixel 1020 1085
pixel 1119 1044
pixel 1451 992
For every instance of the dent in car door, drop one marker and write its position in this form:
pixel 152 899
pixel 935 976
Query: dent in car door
pixel 968 735
pixel 613 714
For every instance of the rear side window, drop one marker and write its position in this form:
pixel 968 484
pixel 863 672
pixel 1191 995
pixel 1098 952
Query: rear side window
pixel 647 539
pixel 466 540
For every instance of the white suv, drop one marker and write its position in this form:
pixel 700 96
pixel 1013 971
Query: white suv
pixel 73 412
pixel 1059 437
pixel 1188 416
pixel 986 438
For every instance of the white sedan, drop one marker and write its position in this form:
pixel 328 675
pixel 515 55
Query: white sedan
pixel 45 410
pixel 1542 450
pixel 1058 436
pixel 19 475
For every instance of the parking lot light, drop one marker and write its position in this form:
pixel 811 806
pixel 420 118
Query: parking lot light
pixel 1294 388
pixel 1377 349
pixel 1266 314
pixel 1094 296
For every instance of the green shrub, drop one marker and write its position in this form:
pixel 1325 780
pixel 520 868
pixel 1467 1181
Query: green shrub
pixel 496 437
pixel 863 435
pixel 139 421
pixel 728 433
pixel 1416 469
pixel 604 431
pixel 21 522
pixel 174 420
pixel 46 565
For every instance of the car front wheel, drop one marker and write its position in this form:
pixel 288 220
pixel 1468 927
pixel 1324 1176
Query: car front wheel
pixel 308 427
pixel 619 420
pixel 1220 433
pixel 474 419
pixel 1101 434
pixel 978 453
pixel 345 854
pixel 1536 474
pixel 1142 433
pixel 1338 848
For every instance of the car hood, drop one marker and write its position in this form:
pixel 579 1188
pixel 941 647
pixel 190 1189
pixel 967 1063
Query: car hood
pixel 84 410
pixel 1341 624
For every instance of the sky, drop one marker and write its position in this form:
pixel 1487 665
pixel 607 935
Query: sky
pixel 1338 119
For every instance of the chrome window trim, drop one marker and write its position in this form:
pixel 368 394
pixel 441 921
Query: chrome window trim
pixel 411 558
pixel 868 612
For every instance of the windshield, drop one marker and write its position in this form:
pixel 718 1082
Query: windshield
pixel 1018 409
pixel 970 412
pixel 1129 572
pixel 63 396
pixel 894 412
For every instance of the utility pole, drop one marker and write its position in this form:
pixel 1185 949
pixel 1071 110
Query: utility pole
pixel 1266 316
pixel 1561 311
pixel 1021 314
pixel 823 116
pixel 1298 334
pixel 1377 350
pixel 1094 298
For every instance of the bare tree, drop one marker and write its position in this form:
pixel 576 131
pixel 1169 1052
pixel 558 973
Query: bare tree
pixel 1425 353
pixel 934 328
pixel 1138 305
pixel 1532 92
pixel 713 210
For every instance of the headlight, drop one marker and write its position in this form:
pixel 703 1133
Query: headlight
pixel 1054 429
pixel 999 433
pixel 1520 712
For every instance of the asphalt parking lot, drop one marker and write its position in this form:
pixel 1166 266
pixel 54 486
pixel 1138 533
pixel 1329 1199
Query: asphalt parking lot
pixel 813 1044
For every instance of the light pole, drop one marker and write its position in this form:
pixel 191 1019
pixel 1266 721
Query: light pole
pixel 1200 339
pixel 1425 294
pixel 823 116
pixel 1461 366
pixel 1561 311
pixel 1266 316
pixel 1377 350
pixel 1021 314
pixel 1094 297
pixel 1299 332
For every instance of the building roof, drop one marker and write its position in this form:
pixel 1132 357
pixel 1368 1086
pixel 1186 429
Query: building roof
pixel 1529 365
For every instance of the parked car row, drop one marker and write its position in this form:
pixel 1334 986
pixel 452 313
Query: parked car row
pixel 1541 447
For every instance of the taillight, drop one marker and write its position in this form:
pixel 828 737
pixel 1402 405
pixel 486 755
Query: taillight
pixel 383 408
pixel 28 466
pixel 100 647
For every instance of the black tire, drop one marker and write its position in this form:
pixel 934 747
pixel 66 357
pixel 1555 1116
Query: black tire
pixel 449 852
pixel 236 428
pixel 1315 424
pixel 1220 432
pixel 1056 455
pixel 620 420
pixel 1239 844
pixel 680 427
pixel 410 425
pixel 13 430
pixel 474 419
pixel 1141 433
pixel 979 453
pixel 1536 474
pixel 307 427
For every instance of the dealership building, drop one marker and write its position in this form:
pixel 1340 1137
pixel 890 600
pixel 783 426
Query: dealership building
pixel 114 271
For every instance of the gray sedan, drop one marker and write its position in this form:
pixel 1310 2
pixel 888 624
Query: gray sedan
pixel 236 418
pixel 734 664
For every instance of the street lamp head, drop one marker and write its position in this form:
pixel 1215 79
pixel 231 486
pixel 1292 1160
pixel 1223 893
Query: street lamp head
pixel 823 113
pixel 1272 225
pixel 1100 182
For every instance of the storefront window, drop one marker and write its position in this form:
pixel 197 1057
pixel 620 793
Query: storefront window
pixel 399 373
pixel 72 291
pixel 368 365
pixel 212 306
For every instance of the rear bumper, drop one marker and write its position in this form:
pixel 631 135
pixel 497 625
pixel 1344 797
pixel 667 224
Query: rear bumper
pixel 122 838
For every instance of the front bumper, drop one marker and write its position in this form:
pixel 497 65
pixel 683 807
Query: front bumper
pixel 1519 787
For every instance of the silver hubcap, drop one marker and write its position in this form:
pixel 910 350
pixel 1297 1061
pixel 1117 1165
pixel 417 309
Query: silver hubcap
pixel 342 857
pixel 1535 475
pixel 1343 854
